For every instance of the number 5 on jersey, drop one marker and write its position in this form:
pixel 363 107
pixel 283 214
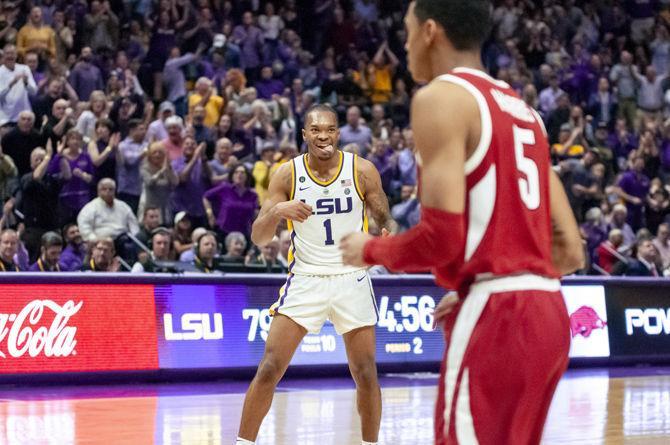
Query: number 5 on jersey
pixel 530 186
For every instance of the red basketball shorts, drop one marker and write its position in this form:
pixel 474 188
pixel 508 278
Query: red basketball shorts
pixel 507 349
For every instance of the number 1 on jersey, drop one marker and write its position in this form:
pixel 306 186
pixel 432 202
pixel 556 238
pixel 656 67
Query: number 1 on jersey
pixel 329 233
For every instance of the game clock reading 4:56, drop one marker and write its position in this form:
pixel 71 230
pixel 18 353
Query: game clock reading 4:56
pixel 410 314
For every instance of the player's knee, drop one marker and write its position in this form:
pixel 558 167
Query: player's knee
pixel 269 371
pixel 364 374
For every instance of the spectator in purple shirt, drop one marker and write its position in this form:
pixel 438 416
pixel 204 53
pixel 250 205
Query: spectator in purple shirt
pixel 664 171
pixel 594 231
pixel 32 61
pixel 50 252
pixel 268 85
pixel 250 40
pixel 622 141
pixel 642 23
pixel 74 253
pixel 633 188
pixel 86 77
pixel 382 156
pixel 76 191
pixel 130 154
pixel 231 206
pixel 194 175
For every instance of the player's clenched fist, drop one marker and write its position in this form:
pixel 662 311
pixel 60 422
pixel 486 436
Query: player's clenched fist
pixel 293 210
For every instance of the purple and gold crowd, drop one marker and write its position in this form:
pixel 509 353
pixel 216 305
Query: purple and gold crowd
pixel 141 135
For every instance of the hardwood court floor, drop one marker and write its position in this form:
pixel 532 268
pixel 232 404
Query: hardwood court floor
pixel 629 406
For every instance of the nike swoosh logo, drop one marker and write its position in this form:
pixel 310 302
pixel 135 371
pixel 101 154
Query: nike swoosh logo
pixel 361 278
pixel 302 189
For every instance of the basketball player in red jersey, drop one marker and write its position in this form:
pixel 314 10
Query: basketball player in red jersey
pixel 495 225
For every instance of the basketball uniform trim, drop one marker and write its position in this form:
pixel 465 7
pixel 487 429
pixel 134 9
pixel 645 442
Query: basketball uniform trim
pixel 283 297
pixel 479 73
pixel 479 154
pixel 467 318
pixel 465 425
pixel 283 291
pixel 539 120
pixel 356 184
pixel 292 180
pixel 366 223
pixel 484 194
pixel 372 295
pixel 315 179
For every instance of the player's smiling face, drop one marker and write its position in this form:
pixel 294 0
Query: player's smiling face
pixel 321 134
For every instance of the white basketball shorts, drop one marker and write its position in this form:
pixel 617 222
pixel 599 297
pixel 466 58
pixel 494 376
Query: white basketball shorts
pixel 347 300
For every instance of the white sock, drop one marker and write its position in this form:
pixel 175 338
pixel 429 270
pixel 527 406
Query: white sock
pixel 369 443
pixel 241 441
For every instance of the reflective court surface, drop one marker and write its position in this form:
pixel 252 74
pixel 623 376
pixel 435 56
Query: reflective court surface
pixel 615 406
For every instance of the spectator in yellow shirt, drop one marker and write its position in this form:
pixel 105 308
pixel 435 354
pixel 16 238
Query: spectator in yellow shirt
pixel 205 95
pixel 287 151
pixel 36 36
pixel 261 172
pixel 380 74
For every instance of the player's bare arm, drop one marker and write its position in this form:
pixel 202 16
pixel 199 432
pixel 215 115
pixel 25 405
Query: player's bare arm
pixel 376 202
pixel 567 250
pixel 278 207
pixel 442 145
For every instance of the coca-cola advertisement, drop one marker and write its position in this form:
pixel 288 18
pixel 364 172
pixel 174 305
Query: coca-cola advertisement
pixel 74 328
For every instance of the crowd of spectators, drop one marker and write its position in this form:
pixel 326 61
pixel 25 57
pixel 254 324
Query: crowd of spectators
pixel 159 123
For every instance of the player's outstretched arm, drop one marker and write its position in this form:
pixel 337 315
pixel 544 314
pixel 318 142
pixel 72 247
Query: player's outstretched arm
pixel 278 207
pixel 441 139
pixel 567 250
pixel 376 202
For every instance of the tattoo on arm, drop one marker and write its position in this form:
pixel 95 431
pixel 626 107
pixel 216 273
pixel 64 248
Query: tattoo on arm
pixel 376 202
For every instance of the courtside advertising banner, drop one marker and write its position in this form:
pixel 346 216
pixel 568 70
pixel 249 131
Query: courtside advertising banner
pixel 639 320
pixel 75 328
pixel 55 328
pixel 207 326
pixel 588 320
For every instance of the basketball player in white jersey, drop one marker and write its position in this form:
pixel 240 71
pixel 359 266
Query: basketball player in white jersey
pixel 323 195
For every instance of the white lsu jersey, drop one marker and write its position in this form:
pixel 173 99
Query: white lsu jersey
pixel 338 208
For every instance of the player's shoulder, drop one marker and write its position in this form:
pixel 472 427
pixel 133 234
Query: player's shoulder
pixel 363 165
pixel 443 108
pixel 284 177
pixel 446 96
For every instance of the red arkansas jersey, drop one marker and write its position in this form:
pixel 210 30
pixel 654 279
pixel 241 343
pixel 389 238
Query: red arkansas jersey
pixel 508 218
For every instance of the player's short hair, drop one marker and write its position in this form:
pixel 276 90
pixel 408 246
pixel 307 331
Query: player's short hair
pixel 320 108
pixel 467 24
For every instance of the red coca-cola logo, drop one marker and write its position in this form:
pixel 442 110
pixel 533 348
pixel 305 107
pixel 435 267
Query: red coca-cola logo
pixel 76 328
pixel 20 333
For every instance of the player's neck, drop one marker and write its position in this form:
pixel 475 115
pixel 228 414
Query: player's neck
pixel 323 168
pixel 443 62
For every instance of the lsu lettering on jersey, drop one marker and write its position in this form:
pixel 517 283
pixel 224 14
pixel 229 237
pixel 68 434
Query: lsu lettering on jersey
pixel 338 208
